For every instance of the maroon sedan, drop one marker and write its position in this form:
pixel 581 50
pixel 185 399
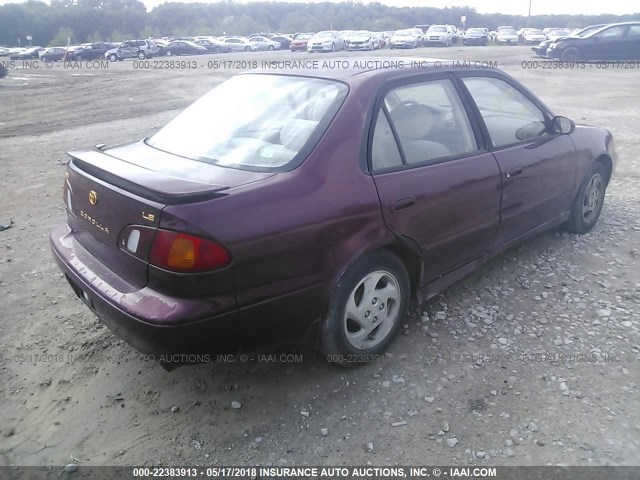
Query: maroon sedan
pixel 312 206
pixel 299 44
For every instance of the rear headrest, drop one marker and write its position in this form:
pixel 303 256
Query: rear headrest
pixel 296 132
pixel 412 120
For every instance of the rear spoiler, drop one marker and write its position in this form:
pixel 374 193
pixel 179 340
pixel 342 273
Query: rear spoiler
pixel 141 181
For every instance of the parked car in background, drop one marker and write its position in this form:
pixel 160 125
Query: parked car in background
pixel 182 47
pixel 361 40
pixel 410 181
pixel 533 36
pixel 92 51
pixel 240 44
pixel 283 40
pixel 424 28
pixel 264 43
pixel 380 39
pixel 406 38
pixel 438 35
pixel 14 52
pixel 476 36
pixel 618 41
pixel 213 45
pixel 30 53
pixel 299 44
pixel 133 49
pixel 186 39
pixel 4 52
pixel 558 33
pixel 52 54
pixel 4 71
pixel 326 41
pixel 72 50
pixel 542 47
pixel 507 37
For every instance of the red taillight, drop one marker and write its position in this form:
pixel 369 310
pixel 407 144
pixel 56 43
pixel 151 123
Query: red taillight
pixel 181 252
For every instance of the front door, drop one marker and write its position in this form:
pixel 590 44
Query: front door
pixel 605 45
pixel 538 168
pixel 437 187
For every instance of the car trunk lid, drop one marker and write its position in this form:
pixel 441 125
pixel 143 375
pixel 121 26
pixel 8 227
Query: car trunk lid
pixel 115 199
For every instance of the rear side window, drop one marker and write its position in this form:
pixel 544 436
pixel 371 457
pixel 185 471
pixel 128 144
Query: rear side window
pixel 384 150
pixel 509 115
pixel 430 121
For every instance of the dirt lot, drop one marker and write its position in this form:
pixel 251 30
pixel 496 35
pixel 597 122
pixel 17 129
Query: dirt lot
pixel 465 376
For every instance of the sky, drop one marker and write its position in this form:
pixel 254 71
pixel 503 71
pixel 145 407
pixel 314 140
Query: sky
pixel 511 7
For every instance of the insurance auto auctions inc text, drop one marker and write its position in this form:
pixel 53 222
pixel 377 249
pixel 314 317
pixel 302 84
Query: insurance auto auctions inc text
pixel 374 472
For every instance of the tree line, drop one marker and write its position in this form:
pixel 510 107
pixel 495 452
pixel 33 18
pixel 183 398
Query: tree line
pixel 115 20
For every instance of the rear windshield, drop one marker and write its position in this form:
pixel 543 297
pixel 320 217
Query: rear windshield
pixel 437 29
pixel 253 122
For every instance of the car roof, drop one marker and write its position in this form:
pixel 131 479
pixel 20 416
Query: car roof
pixel 350 69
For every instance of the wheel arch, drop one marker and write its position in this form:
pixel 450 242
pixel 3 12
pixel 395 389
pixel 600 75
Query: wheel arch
pixel 607 162
pixel 409 253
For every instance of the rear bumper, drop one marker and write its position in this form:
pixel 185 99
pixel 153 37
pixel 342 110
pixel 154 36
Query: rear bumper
pixel 150 321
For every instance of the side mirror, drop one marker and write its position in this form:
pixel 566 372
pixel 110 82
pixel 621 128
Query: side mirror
pixel 562 125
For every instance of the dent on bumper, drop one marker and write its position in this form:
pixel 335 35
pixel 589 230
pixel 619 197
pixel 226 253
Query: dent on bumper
pixel 149 320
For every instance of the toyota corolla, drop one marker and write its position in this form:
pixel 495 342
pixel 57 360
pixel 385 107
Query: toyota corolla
pixel 313 206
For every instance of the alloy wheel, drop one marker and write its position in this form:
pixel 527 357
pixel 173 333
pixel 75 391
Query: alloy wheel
pixel 592 197
pixel 372 310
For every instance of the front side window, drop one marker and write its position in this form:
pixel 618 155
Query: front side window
pixel 430 121
pixel 509 115
pixel 613 32
pixel 634 31
pixel 253 121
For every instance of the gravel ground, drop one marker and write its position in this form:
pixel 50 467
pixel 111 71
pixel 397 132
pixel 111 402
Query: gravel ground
pixel 532 360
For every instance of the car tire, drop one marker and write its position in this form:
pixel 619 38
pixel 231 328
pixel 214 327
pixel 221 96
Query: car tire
pixel 342 336
pixel 271 48
pixel 589 200
pixel 141 55
pixel 570 54
pixel 169 53
pixel 247 49
pixel 113 57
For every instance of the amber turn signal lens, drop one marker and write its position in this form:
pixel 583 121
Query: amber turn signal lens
pixel 182 253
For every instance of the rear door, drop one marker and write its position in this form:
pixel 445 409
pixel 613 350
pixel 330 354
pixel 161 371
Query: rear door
pixel 538 168
pixel 438 186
